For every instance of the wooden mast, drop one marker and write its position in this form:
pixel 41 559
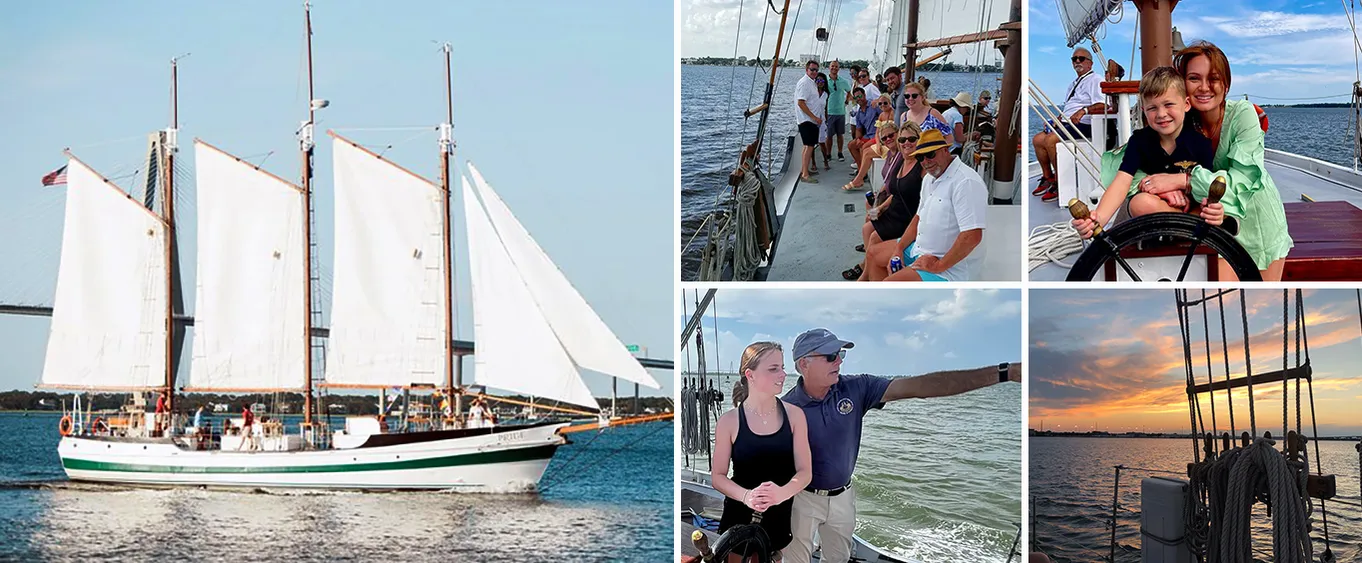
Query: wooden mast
pixel 168 212
pixel 307 146
pixel 1005 137
pixel 446 148
pixel 910 51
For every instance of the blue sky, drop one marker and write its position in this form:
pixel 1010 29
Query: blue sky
pixel 1276 48
pixel 574 130
pixel 897 331
pixel 858 27
pixel 1113 359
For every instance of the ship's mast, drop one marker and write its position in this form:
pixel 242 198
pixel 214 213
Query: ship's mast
pixel 168 147
pixel 447 149
pixel 306 144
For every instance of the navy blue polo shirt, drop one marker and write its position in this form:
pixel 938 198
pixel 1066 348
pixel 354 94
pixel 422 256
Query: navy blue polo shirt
pixel 835 424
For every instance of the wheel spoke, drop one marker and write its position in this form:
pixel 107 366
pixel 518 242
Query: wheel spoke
pixel 1187 262
pixel 1124 266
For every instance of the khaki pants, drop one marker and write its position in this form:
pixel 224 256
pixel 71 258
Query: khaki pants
pixel 834 518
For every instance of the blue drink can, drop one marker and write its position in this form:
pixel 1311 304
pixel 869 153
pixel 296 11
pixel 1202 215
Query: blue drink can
pixel 895 264
pixel 870 199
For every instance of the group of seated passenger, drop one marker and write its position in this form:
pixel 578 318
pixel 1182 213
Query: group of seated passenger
pixel 926 221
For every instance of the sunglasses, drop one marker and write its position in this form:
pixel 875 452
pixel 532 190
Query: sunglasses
pixel 924 156
pixel 911 96
pixel 857 97
pixel 1078 59
pixel 886 139
pixel 830 357
pixel 883 104
pixel 907 139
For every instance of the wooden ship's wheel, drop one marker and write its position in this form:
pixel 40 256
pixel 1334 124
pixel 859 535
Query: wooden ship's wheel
pixel 1160 227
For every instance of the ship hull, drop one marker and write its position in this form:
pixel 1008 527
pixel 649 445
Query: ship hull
pixel 501 462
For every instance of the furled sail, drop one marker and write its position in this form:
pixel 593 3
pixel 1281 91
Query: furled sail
pixel 517 349
pixel 388 305
pixel 250 321
pixel 586 338
pixel 109 315
pixel 1082 17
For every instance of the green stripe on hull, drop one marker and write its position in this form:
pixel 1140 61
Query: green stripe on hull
pixel 504 456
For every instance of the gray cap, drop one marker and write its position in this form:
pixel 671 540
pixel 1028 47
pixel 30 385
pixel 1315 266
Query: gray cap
pixel 818 341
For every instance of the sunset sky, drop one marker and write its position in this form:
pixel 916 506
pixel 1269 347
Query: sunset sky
pixel 1113 360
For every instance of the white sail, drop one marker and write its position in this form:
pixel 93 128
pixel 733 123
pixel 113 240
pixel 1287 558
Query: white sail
pixel 585 337
pixel 1082 17
pixel 517 350
pixel 109 315
pixel 249 317
pixel 388 304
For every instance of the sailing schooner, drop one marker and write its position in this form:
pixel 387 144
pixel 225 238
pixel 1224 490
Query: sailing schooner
pixel 115 321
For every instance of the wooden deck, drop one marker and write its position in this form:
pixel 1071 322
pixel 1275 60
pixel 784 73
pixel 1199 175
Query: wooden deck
pixel 1328 237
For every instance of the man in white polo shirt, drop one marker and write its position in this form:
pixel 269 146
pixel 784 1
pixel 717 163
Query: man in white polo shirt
pixel 942 241
pixel 1082 99
pixel 809 115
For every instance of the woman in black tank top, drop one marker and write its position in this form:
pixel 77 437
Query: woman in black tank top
pixel 767 442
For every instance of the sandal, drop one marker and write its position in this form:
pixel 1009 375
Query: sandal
pixel 852 274
pixel 860 248
pixel 849 187
pixel 809 180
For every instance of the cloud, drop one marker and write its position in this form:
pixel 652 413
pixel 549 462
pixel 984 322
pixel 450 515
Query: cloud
pixel 915 341
pixel 963 303
pixel 1269 24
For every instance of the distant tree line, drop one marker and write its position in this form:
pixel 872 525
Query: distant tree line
pixel 930 67
pixel 1323 105
pixel 744 61
pixel 276 402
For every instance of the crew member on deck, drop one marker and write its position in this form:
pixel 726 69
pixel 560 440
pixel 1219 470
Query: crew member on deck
pixel 834 406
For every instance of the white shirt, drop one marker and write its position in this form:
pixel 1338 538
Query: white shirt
pixel 954 203
pixel 806 90
pixel 952 116
pixel 871 94
pixel 1084 91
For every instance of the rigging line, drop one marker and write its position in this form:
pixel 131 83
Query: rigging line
pixel 732 76
pixel 1224 350
pixel 773 8
pixel 879 8
pixel 1210 368
pixel 1248 363
pixel 1286 392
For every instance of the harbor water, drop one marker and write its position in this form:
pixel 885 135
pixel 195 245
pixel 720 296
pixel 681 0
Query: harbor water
pixel 1321 133
pixel 713 131
pixel 1071 488
pixel 939 480
pixel 607 499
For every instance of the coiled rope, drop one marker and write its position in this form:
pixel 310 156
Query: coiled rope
pixel 1255 466
pixel 747 255
pixel 1051 243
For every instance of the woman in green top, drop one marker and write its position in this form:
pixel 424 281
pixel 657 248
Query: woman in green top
pixel 1250 196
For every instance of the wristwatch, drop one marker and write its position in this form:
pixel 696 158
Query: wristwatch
pixel 1002 373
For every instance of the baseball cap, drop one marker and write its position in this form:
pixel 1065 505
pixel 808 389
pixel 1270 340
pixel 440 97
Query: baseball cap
pixel 818 341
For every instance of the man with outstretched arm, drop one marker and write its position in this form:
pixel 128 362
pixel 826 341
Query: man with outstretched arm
pixel 834 406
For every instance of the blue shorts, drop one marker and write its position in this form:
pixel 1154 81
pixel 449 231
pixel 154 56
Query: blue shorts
pixel 1079 131
pixel 924 274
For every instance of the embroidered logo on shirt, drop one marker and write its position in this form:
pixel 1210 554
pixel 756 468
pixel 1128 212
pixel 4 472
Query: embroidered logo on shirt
pixel 844 406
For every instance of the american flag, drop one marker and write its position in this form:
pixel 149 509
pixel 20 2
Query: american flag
pixel 55 177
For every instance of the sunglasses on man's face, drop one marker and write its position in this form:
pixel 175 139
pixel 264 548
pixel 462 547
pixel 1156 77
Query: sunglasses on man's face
pixel 907 139
pixel 830 357
pixel 1078 58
